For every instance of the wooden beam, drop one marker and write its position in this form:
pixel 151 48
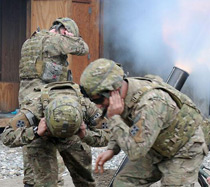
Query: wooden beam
pixel 8 96
pixel 28 19
pixel 1 40
pixel 101 29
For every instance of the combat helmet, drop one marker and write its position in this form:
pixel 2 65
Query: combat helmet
pixel 100 76
pixel 64 116
pixel 68 23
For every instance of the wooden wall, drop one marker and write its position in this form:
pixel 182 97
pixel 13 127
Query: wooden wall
pixel 13 34
pixel 44 12
pixel 86 14
pixel 0 38
pixel 8 96
pixel 20 18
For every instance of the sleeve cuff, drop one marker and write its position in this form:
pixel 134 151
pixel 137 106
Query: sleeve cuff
pixel 87 136
pixel 116 151
pixel 113 121
pixel 30 133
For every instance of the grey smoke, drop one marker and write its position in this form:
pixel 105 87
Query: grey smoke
pixel 151 36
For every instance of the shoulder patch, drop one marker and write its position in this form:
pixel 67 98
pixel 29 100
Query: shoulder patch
pixel 20 123
pixel 136 131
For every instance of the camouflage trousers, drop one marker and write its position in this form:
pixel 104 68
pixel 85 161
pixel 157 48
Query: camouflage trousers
pixel 76 156
pixel 28 171
pixel 148 170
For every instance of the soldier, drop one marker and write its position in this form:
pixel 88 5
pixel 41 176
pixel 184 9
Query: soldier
pixel 158 127
pixel 44 55
pixel 44 60
pixel 64 109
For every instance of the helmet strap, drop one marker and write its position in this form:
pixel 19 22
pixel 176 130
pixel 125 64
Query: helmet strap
pixel 57 28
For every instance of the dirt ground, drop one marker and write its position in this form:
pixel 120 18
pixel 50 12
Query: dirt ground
pixel 101 181
pixel 104 180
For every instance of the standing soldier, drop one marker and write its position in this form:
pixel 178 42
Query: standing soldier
pixel 44 60
pixel 158 127
pixel 65 111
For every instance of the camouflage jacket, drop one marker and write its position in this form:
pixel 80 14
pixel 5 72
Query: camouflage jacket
pixel 44 55
pixel 97 135
pixel 144 120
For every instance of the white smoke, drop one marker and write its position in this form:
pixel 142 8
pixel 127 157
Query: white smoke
pixel 151 36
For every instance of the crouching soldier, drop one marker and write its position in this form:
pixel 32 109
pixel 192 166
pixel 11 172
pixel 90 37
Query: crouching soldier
pixel 65 112
pixel 158 127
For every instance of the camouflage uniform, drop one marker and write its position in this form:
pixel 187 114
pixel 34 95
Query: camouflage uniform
pixel 42 151
pixel 52 65
pixel 159 129
pixel 145 120
pixel 43 60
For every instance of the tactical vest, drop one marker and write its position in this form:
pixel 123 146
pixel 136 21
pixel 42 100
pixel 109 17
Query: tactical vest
pixel 45 92
pixel 32 64
pixel 45 99
pixel 177 134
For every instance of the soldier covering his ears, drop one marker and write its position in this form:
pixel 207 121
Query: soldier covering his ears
pixel 44 60
pixel 158 127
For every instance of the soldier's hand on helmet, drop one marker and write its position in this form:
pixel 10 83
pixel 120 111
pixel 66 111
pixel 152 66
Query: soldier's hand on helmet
pixel 42 127
pixel 102 158
pixel 208 180
pixel 68 33
pixel 62 32
pixel 116 104
pixel 82 130
pixel 53 31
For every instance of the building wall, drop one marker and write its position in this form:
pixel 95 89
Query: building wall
pixel 19 19
pixel 12 36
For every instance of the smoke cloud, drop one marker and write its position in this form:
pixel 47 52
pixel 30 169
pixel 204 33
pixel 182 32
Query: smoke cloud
pixel 152 36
